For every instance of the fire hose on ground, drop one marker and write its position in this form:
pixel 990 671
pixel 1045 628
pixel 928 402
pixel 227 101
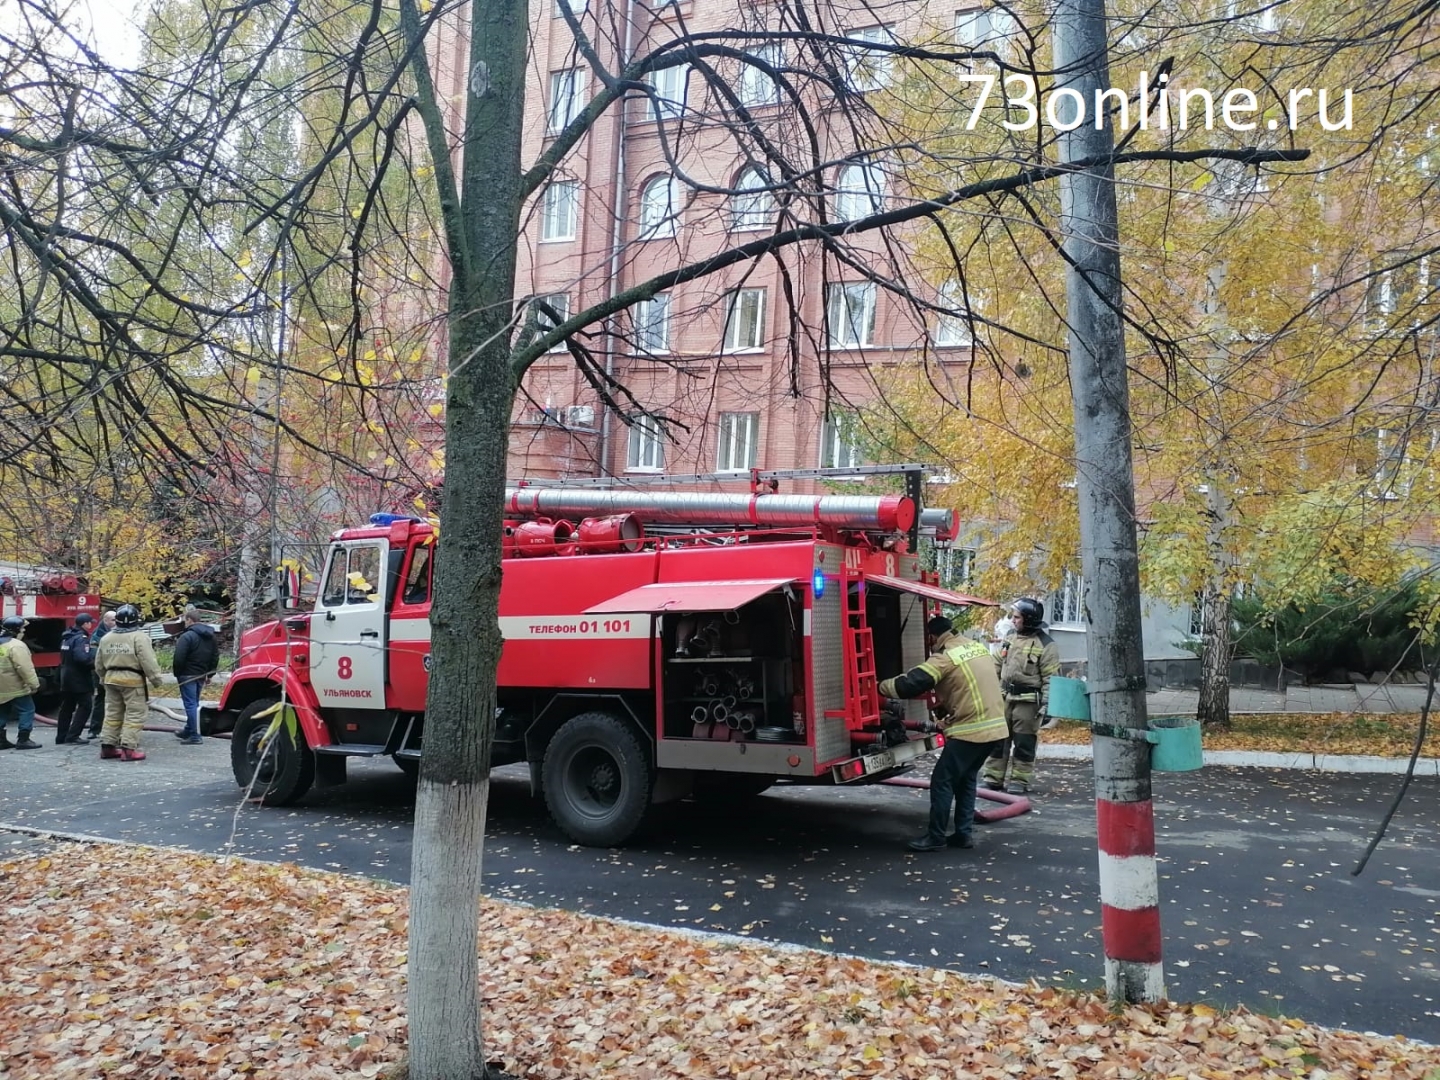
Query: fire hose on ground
pixel 50 722
pixel 1011 805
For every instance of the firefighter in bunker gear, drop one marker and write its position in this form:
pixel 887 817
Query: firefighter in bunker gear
pixel 18 684
pixel 125 663
pixel 969 706
pixel 1028 658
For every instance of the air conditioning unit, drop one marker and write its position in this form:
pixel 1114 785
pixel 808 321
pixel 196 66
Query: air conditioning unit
pixel 579 416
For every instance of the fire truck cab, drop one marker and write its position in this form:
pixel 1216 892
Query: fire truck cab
pixel 656 647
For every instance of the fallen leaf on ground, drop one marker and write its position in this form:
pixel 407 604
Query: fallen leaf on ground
pixel 295 974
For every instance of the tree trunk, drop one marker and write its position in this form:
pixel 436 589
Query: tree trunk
pixel 446 1039
pixel 1106 494
pixel 1214 708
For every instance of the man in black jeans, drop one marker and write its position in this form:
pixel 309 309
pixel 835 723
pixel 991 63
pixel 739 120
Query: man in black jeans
pixel 77 682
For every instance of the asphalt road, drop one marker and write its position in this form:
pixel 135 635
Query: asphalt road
pixel 1259 905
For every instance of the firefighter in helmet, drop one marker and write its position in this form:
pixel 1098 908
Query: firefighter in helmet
pixel 1028 658
pixel 968 706
pixel 125 664
pixel 18 684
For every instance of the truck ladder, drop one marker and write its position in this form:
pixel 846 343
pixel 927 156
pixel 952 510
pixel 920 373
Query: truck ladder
pixel 862 686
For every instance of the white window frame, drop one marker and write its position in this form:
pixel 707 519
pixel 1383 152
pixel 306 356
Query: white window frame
pixel 956 565
pixel 955 331
pixel 987 29
pixel 738 442
pixel 645 446
pixel 561 303
pixel 859 190
pixel 756 89
pixel 657 216
pixel 577 7
pixel 1066 604
pixel 738 301
pixel 651 321
pixel 838 449
pixel 850 314
pixel 670 85
pixel 866 69
pixel 752 207
pixel 1260 20
pixel 565 99
pixel 560 211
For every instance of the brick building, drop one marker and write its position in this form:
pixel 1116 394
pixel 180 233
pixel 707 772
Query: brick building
pixel 755 366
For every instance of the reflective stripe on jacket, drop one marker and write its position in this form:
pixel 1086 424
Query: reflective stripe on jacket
pixel 1026 664
pixel 967 690
pixel 126 658
pixel 17 670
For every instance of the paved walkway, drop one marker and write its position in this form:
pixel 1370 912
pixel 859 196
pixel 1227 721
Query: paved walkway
pixel 1327 698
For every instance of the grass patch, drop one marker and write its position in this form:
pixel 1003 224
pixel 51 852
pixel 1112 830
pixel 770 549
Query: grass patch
pixel 1383 735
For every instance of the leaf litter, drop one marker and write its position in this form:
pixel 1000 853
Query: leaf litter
pixel 1381 734
pixel 162 965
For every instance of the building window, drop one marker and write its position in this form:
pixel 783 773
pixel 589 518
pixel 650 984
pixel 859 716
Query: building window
pixel 646 449
pixel 657 208
pixel 859 191
pixel 757 89
pixel 561 303
pixel 1067 603
pixel 575 7
pixel 744 320
pixel 752 206
pixel 868 69
pixel 957 325
pixel 956 566
pixel 652 324
pixel 986 29
pixel 560 210
pixel 1254 16
pixel 839 447
pixel 669 85
pixel 565 99
pixel 739 437
pixel 850 313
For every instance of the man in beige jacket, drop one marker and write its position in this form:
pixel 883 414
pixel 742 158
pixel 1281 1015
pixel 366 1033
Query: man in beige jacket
pixel 125 663
pixel 18 683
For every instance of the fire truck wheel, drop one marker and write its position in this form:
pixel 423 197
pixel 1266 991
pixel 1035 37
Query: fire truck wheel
pixel 597 779
pixel 714 787
pixel 287 769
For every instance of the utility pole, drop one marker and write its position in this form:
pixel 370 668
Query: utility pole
pixel 1129 888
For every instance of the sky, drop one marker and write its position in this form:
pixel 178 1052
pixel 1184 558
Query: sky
pixel 110 26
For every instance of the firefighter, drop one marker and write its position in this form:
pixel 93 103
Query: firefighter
pixel 77 682
pixel 969 706
pixel 1028 658
pixel 18 684
pixel 125 663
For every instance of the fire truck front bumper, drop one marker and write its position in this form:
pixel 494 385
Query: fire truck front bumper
pixel 881 763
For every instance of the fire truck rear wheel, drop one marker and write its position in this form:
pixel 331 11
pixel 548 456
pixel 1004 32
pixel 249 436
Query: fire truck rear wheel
pixel 287 769
pixel 597 779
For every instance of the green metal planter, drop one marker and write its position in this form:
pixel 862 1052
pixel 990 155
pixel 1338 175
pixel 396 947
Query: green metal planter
pixel 1176 747
pixel 1068 699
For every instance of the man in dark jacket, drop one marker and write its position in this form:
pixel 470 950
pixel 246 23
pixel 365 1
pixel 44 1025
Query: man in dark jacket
pixel 197 656
pixel 97 711
pixel 77 682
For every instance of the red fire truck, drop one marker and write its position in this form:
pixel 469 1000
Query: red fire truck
pixel 48 600
pixel 657 645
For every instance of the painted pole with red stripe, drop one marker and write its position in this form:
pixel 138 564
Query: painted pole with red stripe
pixel 1105 497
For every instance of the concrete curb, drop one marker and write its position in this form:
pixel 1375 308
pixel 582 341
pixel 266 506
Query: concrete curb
pixel 1257 759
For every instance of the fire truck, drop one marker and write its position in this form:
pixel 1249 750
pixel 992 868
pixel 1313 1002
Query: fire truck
pixel 48 600
pixel 657 645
